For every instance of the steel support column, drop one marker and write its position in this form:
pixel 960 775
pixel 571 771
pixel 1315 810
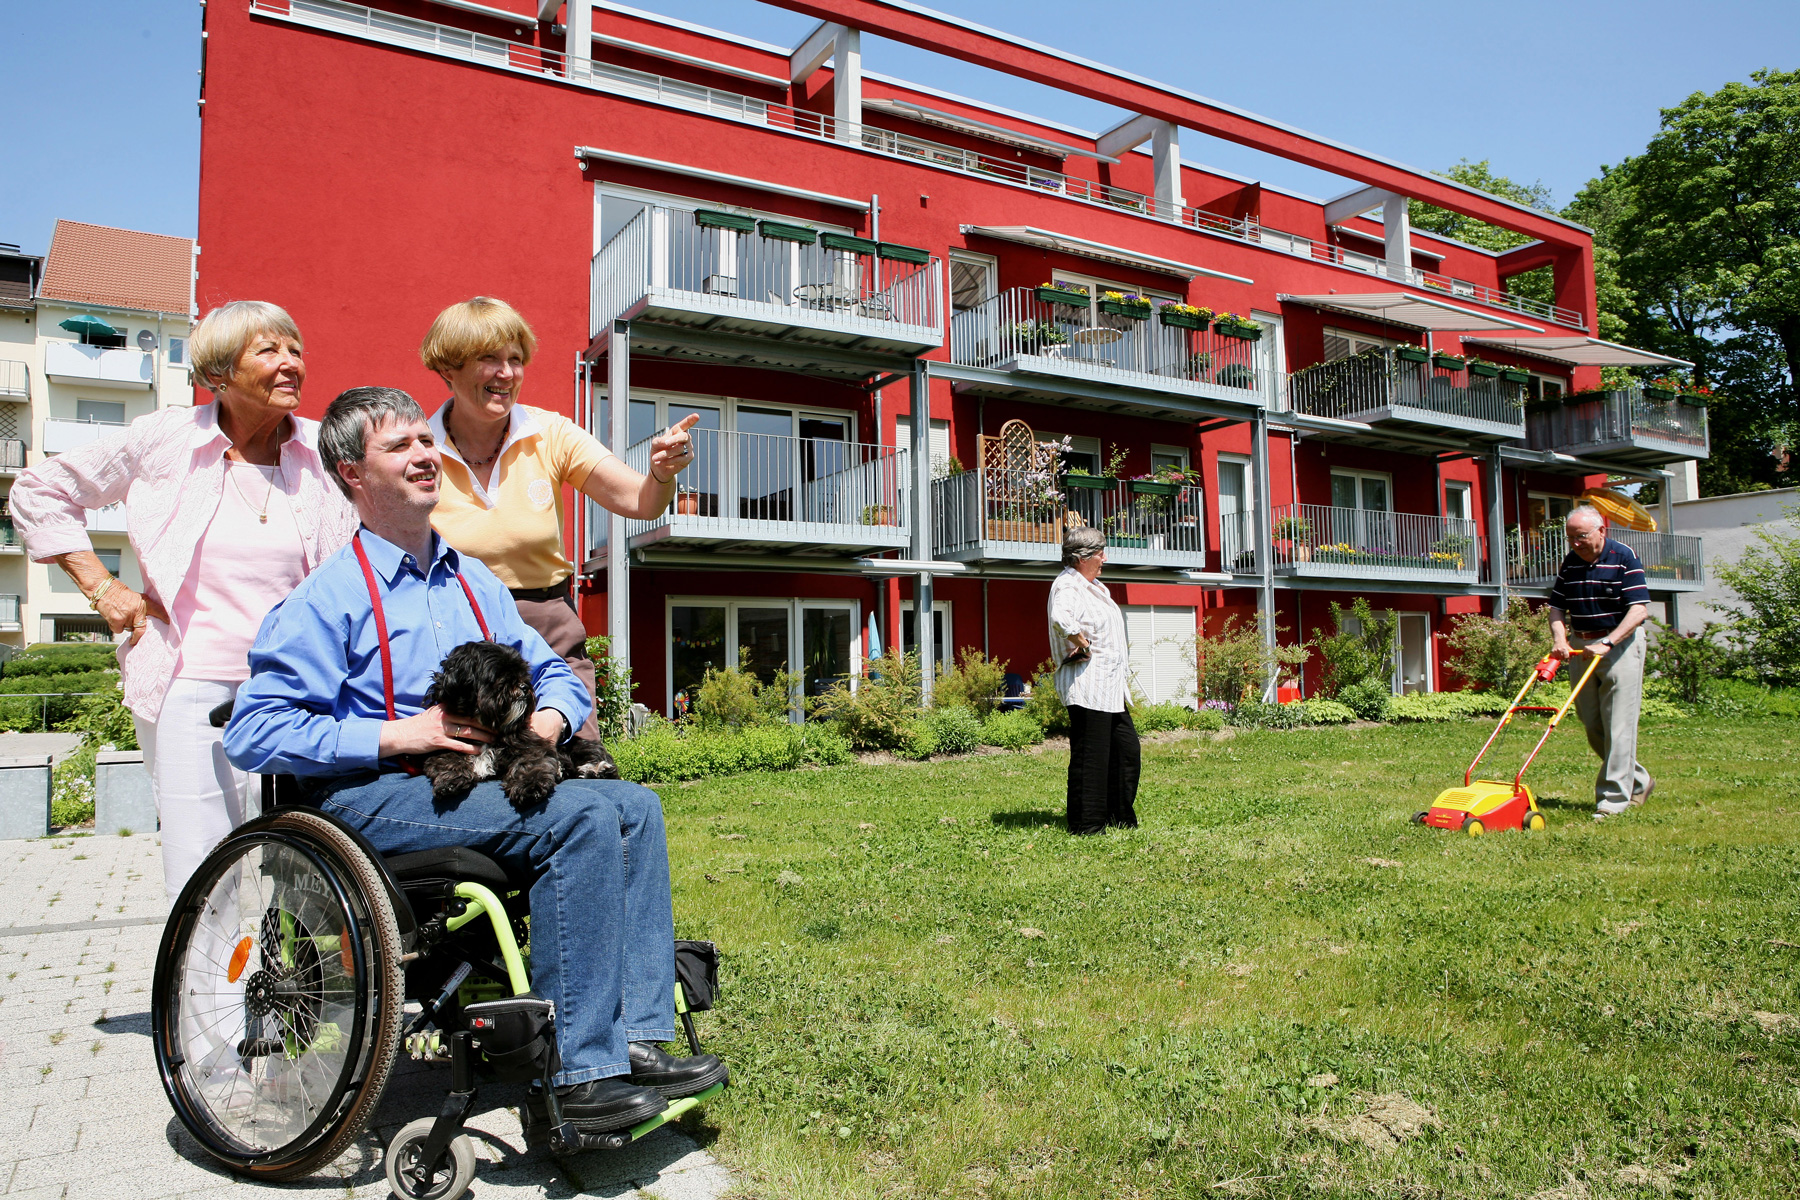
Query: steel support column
pixel 618 551
pixel 921 522
pixel 1496 530
pixel 1265 541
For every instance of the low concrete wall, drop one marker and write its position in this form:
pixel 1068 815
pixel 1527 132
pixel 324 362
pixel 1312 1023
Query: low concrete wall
pixel 25 796
pixel 122 796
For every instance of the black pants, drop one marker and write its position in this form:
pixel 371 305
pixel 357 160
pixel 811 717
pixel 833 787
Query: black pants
pixel 1103 770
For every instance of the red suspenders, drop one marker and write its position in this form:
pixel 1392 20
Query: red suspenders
pixel 381 629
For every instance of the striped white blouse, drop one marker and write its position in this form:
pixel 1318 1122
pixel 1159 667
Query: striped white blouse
pixel 1099 682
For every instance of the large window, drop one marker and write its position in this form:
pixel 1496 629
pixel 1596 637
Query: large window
pixel 1361 489
pixel 1458 501
pixel 814 639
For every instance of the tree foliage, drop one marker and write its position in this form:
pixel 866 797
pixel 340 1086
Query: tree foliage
pixel 1498 652
pixel 1765 624
pixel 1360 648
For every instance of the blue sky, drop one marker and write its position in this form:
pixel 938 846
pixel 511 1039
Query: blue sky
pixel 103 125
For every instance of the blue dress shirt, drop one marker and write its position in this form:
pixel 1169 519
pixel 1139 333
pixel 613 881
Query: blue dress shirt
pixel 314 702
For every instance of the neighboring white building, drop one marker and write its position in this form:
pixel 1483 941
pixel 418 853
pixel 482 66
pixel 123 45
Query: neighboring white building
pixel 100 340
pixel 1728 526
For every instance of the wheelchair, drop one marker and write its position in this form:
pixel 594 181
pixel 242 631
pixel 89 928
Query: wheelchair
pixel 282 988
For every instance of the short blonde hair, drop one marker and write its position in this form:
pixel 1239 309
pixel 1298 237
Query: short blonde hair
pixel 478 326
pixel 218 341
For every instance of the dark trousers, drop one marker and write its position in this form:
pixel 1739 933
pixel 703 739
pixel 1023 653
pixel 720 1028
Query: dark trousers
pixel 556 620
pixel 1103 770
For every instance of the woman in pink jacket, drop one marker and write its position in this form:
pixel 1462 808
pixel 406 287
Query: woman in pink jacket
pixel 227 507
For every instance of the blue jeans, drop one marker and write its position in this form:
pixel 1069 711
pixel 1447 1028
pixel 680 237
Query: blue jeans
pixel 602 931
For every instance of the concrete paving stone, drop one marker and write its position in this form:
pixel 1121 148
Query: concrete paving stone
pixel 55 1191
pixel 42 1139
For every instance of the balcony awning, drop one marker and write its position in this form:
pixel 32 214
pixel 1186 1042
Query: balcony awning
pixel 1581 351
pixel 1419 312
pixel 1099 251
pixel 981 129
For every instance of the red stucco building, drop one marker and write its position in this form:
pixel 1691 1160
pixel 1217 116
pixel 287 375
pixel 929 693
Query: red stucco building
pixel 799 251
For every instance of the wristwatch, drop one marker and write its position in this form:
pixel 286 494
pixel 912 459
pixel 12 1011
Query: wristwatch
pixel 1608 643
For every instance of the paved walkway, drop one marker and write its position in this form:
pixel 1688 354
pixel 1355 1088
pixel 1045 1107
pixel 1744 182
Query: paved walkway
pixel 85 1117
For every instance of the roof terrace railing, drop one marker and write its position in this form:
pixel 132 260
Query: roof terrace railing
pixel 1620 415
pixel 500 54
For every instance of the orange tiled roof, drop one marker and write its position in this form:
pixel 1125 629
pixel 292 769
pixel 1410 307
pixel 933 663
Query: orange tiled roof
pixel 121 268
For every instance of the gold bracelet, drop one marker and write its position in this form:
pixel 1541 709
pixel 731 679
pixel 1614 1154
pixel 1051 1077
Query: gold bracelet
pixel 94 600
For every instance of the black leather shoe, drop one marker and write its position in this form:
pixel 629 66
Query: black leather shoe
pixel 654 1067
pixel 600 1105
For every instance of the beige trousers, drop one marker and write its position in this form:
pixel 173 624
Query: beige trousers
pixel 1608 707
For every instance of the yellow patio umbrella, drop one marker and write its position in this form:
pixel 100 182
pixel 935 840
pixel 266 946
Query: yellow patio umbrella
pixel 1619 509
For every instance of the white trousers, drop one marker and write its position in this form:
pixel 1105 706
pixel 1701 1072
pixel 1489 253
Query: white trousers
pixel 200 796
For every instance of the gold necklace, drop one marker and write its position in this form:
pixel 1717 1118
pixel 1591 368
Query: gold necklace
pixel 263 515
pixel 468 459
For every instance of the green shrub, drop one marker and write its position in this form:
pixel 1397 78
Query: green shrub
pixel 1448 706
pixel 1356 657
pixel 1499 653
pixel 62 658
pixel 918 742
pixel 734 698
pixel 878 713
pixel 1011 731
pixel 1730 697
pixel 1159 718
pixel 1043 705
pixel 975 683
pixel 612 690
pixel 1369 699
pixel 1254 714
pixel 667 753
pixel 1689 663
pixel 1233 662
pixel 1325 712
pixel 1764 623
pixel 953 730
pixel 102 719
pixel 72 788
pixel 1206 720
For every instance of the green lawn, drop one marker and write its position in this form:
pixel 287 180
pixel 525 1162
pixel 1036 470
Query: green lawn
pixel 929 989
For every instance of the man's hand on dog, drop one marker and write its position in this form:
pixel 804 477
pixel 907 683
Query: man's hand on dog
pixel 434 729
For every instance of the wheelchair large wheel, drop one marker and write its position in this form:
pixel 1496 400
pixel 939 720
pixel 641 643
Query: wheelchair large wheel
pixel 278 999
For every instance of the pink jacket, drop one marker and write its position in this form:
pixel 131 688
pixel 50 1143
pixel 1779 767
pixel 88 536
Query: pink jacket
pixel 169 469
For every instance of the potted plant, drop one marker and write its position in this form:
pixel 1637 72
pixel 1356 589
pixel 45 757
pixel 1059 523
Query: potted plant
pixel 1448 362
pixel 1296 533
pixel 1661 389
pixel 1233 326
pixel 1057 292
pixel 1083 481
pixel 1514 375
pixel 1411 354
pixel 1125 304
pixel 878 514
pixel 1035 337
pixel 1184 316
pixel 687 503
pixel 1483 368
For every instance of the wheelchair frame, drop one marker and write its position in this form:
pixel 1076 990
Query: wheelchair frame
pixel 434 1163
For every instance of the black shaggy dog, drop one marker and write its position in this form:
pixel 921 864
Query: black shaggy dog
pixel 491 684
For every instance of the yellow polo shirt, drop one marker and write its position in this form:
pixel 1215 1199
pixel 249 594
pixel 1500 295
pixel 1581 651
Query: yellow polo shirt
pixel 515 524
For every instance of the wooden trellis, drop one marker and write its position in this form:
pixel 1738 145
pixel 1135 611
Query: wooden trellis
pixel 1016 474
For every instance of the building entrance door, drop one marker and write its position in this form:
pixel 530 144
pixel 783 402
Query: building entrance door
pixel 1414 666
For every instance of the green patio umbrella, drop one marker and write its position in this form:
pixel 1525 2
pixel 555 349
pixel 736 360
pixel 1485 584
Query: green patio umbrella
pixel 88 325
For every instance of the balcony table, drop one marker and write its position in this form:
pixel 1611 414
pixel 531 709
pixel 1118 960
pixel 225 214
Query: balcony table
pixel 843 299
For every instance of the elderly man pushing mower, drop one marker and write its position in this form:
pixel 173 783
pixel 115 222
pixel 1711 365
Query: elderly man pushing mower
pixel 1601 599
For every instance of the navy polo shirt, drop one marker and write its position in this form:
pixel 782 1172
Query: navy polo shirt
pixel 1595 595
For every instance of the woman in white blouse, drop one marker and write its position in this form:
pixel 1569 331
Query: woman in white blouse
pixel 1087 644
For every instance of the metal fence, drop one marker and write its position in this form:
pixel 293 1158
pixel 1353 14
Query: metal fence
pixel 1237 541
pixel 978 508
pixel 1365 543
pixel 663 248
pixel 1377 379
pixel 1534 559
pixel 1139 516
pixel 742 483
pixel 1017 324
pixel 12 454
pixel 1624 415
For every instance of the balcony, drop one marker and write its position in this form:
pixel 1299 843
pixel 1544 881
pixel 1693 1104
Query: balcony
pixel 1626 426
pixel 95 366
pixel 1379 388
pixel 992 515
pixel 769 494
pixel 1041 342
pixel 10 541
pixel 10 621
pixel 110 519
pixel 62 434
pixel 15 380
pixel 1672 562
pixel 12 456
pixel 1316 541
pixel 762 293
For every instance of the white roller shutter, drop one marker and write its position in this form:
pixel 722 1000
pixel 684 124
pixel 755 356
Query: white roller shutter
pixel 1162 670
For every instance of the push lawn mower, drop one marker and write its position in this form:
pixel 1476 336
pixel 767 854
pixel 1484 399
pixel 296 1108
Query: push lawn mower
pixel 1480 805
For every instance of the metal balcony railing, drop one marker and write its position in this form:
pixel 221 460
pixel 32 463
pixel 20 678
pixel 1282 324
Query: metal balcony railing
pixel 12 454
pixel 1317 539
pixel 1018 327
pixel 1159 519
pixel 9 536
pixel 1237 541
pixel 1609 418
pixel 1346 388
pixel 1534 559
pixel 9 610
pixel 1022 515
pixel 990 505
pixel 15 380
pixel 664 250
pixel 499 54
pixel 763 486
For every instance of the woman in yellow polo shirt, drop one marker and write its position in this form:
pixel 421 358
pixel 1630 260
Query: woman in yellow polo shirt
pixel 506 464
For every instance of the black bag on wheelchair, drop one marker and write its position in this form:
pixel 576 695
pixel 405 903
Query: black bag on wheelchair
pixel 516 1035
pixel 697 971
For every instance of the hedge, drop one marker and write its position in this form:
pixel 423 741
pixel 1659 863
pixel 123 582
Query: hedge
pixel 52 659
pixel 668 753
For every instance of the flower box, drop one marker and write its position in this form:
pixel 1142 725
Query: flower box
pixel 1051 295
pixel 709 219
pixel 1118 308
pixel 1181 320
pixel 788 233
pixel 1693 398
pixel 851 245
pixel 904 254
pixel 1510 376
pixel 1412 354
pixel 1129 543
pixel 1234 329
pixel 1448 362
pixel 1485 370
pixel 1656 393
pixel 879 514
pixel 1150 487
pixel 1091 483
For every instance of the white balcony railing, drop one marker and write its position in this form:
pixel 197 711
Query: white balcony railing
pixel 9 614
pixel 1018 329
pixel 1376 380
pixel 62 434
pixel 781 273
pixel 499 54
pixel 764 487
pixel 98 365
pixel 1358 543
pixel 1671 560
pixel 15 380
pixel 110 519
pixel 12 455
pixel 1617 418
pixel 1021 516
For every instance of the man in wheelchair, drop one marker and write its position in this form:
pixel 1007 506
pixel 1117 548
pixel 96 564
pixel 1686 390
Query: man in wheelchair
pixel 339 673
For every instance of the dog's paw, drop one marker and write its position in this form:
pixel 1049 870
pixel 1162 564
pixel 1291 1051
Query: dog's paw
pixel 585 759
pixel 449 772
pixel 531 779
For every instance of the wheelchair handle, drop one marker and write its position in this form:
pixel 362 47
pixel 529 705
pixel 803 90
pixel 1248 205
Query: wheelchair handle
pixel 219 715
